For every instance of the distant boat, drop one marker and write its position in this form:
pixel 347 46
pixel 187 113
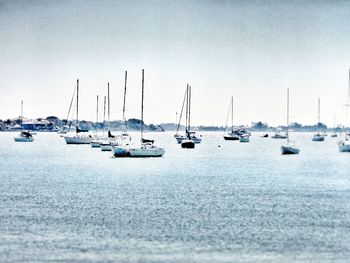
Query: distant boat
pixel 233 135
pixel 344 144
pixel 278 135
pixel 266 135
pixel 318 137
pixel 287 149
pixel 189 135
pixel 25 136
pixel 334 134
pixel 147 147
pixel 77 138
pixel 244 138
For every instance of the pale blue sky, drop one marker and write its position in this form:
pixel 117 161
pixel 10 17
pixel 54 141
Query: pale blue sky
pixel 252 50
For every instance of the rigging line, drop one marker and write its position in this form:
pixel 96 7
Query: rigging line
pixel 182 108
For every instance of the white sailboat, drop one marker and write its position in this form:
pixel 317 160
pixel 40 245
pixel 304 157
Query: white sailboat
pixel 147 147
pixel 287 149
pixel 24 136
pixel 189 135
pixel 344 144
pixel 78 138
pixel 318 137
pixel 233 135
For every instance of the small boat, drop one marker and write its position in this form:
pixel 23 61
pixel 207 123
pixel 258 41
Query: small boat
pixel 318 137
pixel 25 136
pixel 344 145
pixel 234 134
pixel 77 138
pixel 334 135
pixel 189 135
pixel 95 143
pixel 278 135
pixel 244 138
pixel 287 150
pixel 266 135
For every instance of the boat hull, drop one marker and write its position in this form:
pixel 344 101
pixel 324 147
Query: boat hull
pixel 77 140
pixel 318 139
pixel 148 152
pixel 22 139
pixel 121 152
pixel 344 146
pixel 231 138
pixel 244 139
pixel 188 144
pixel 289 150
pixel 95 144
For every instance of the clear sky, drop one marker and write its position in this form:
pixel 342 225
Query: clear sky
pixel 252 50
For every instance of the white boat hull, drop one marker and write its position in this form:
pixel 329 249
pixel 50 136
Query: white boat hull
pixel 95 144
pixel 156 152
pixel 344 146
pixel 77 140
pixel 106 147
pixel 196 140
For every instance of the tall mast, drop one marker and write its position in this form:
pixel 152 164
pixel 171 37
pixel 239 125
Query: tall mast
pixel 232 113
pixel 77 102
pixel 189 108
pixel 142 105
pixel 126 77
pixel 104 113
pixel 287 115
pixel 97 109
pixel 109 108
pixel 182 108
pixel 318 117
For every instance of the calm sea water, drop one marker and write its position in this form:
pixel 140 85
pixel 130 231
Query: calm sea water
pixel 234 203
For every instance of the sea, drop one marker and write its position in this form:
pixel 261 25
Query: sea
pixel 223 201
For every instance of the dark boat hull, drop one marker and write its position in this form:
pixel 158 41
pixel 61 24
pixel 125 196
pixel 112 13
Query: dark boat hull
pixel 188 144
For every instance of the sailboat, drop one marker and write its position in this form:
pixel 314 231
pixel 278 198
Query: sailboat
pixel 77 138
pixel 188 143
pixel 344 144
pixel 24 136
pixel 234 134
pixel 288 149
pixel 318 137
pixel 120 149
pixel 147 147
pixel 189 135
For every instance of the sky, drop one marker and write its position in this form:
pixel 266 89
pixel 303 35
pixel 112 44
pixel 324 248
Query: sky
pixel 251 50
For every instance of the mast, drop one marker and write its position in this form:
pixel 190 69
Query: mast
pixel 189 108
pixel 232 113
pixel 287 115
pixel 109 108
pixel 104 113
pixel 77 102
pixel 318 117
pixel 182 108
pixel 124 120
pixel 97 109
pixel 142 105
